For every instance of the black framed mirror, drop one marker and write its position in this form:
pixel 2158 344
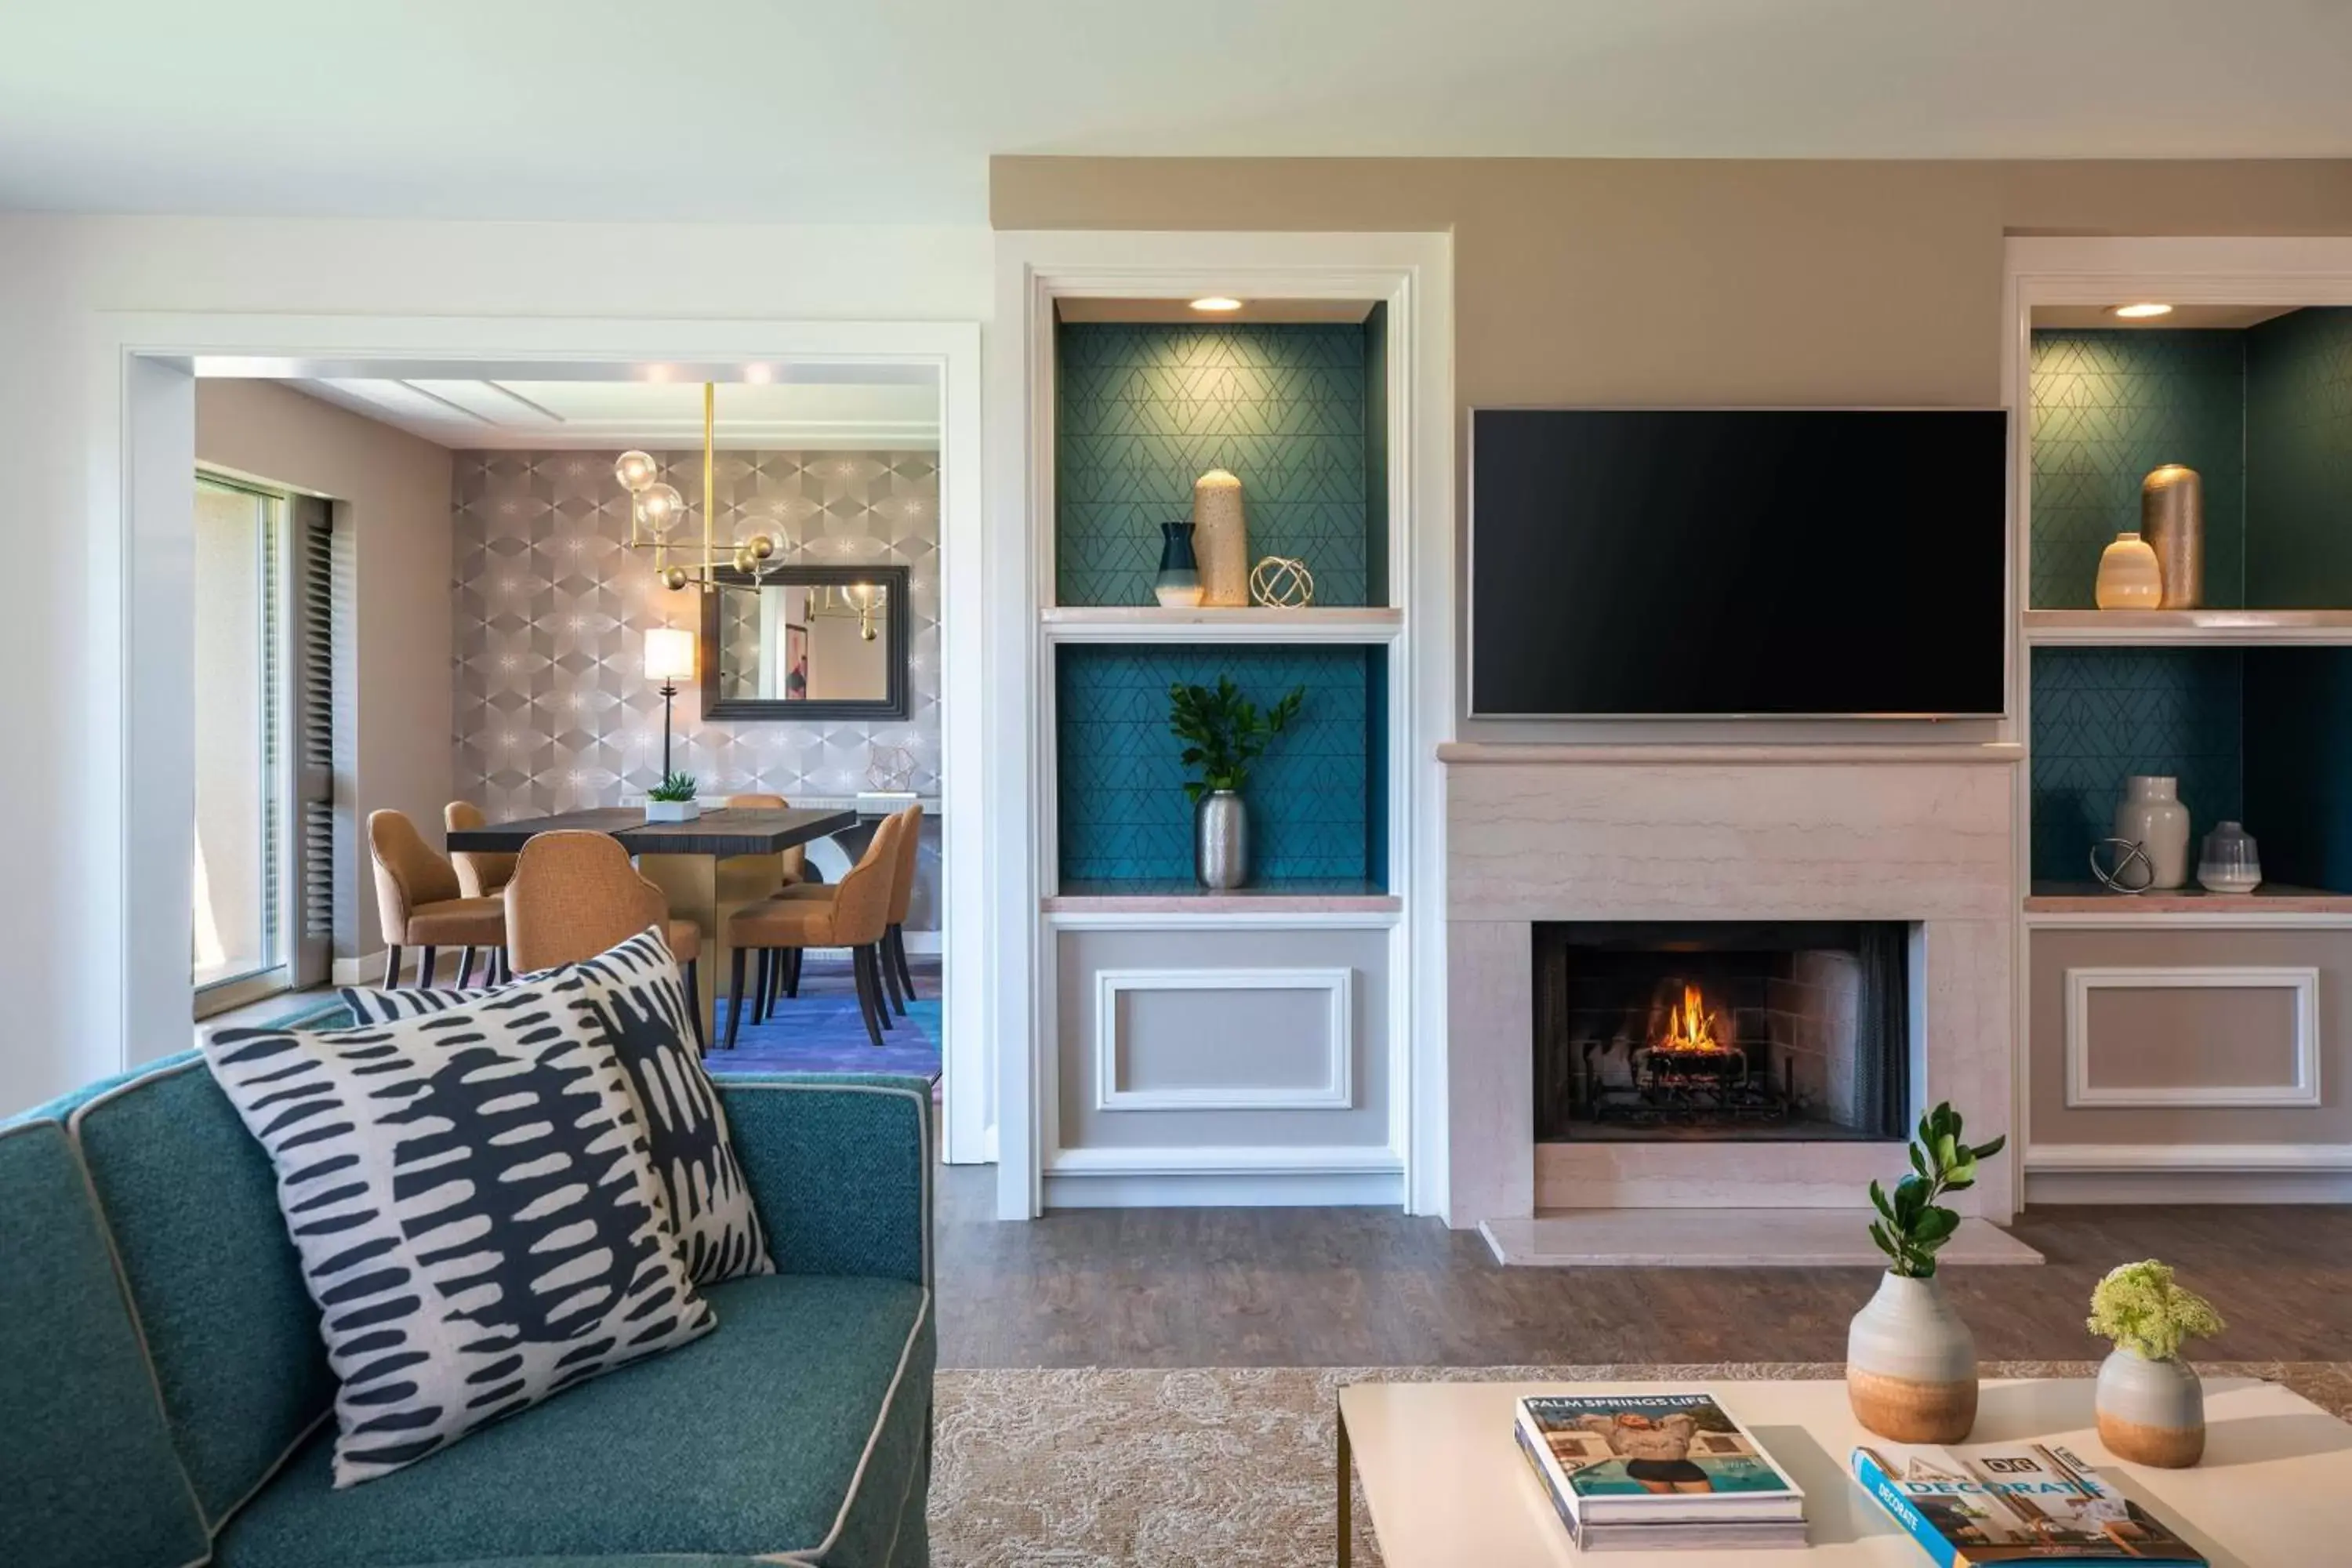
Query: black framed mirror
pixel 806 642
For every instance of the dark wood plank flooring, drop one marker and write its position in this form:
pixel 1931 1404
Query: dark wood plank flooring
pixel 1172 1287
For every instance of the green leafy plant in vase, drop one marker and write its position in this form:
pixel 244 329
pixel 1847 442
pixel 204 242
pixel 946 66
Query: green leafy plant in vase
pixel 1223 733
pixel 672 800
pixel 1910 1361
pixel 2151 1406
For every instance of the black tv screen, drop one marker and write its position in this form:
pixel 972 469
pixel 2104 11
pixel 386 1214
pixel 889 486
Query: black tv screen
pixel 1727 562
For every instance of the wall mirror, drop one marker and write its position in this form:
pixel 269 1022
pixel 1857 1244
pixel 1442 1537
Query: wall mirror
pixel 806 642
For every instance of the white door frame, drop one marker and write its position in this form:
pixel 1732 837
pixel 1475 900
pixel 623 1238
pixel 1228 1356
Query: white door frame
pixel 139 625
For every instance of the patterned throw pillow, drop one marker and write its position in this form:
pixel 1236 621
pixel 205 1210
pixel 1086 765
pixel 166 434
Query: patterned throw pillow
pixel 477 1219
pixel 638 999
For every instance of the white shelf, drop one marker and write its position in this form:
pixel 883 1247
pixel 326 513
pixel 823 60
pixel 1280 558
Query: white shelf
pixel 1151 624
pixel 2199 628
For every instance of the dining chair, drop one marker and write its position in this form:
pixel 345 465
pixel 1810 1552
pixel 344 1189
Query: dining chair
pixel 854 914
pixel 792 865
pixel 575 894
pixel 480 874
pixel 902 896
pixel 421 903
pixel 898 982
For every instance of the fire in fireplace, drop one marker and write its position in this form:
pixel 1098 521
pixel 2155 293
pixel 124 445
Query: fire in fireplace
pixel 1787 1029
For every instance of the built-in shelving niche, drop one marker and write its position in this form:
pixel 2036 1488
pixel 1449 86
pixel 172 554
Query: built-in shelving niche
pixel 1317 799
pixel 2262 411
pixel 2263 735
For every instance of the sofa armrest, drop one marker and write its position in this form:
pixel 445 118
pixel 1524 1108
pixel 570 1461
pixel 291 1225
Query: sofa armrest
pixel 840 1170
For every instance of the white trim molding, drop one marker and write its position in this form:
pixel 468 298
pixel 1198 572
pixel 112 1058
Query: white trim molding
pixel 2303 1090
pixel 1224 1177
pixel 1336 1092
pixel 2188 1174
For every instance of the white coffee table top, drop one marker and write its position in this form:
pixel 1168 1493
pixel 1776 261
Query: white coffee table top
pixel 1447 1487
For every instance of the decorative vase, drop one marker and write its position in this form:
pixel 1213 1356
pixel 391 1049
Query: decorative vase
pixel 2129 578
pixel 2152 816
pixel 1178 587
pixel 1221 840
pixel 2229 863
pixel 672 810
pixel 2172 522
pixel 1911 1364
pixel 1220 539
pixel 2151 1412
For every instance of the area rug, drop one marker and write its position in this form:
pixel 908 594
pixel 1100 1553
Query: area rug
pixel 1231 1467
pixel 824 1032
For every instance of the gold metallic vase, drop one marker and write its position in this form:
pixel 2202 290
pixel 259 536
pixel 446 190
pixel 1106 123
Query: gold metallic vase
pixel 2172 521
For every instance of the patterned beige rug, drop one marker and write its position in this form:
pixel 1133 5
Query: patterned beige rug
pixel 1231 1467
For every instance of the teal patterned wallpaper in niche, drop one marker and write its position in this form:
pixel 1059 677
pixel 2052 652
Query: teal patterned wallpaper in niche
pixel 1145 409
pixel 2102 714
pixel 1123 812
pixel 2109 405
pixel 2299 461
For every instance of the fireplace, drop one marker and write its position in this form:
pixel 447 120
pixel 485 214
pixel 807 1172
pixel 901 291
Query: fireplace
pixel 1788 1030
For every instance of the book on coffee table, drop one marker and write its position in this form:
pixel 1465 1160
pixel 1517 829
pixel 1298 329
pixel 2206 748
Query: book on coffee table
pixel 2014 1502
pixel 1671 1469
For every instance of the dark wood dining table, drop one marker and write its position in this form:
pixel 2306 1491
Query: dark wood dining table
pixel 707 869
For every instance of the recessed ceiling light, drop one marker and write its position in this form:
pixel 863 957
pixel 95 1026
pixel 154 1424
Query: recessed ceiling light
pixel 2139 313
pixel 1218 303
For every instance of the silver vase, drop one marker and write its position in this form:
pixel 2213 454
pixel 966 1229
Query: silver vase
pixel 1221 840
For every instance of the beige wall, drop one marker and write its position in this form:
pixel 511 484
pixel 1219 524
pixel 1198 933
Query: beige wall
pixel 1611 281
pixel 394 553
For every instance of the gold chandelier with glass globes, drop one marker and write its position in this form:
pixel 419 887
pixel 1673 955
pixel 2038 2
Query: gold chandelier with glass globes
pixel 656 510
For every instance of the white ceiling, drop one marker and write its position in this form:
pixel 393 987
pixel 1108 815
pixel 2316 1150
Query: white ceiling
pixel 475 413
pixel 790 111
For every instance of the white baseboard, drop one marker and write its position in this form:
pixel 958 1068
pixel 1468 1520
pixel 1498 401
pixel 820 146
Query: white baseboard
pixel 1225 1177
pixel 2188 1174
pixel 930 943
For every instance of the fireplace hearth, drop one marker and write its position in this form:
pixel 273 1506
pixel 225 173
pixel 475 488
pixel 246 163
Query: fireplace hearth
pixel 1677 1030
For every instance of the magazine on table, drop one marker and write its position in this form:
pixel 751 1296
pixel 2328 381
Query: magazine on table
pixel 2014 1502
pixel 1653 1458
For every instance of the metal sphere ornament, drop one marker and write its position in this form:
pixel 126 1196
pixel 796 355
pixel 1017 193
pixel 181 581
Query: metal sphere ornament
pixel 675 577
pixel 761 545
pixel 1282 583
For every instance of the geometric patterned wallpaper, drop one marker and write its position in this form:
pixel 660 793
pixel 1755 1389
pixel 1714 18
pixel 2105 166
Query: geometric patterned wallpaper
pixel 2107 407
pixel 1314 810
pixel 2100 714
pixel 553 710
pixel 1144 410
pixel 2299 459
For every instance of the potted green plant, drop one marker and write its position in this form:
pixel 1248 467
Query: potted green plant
pixel 1224 733
pixel 2151 1407
pixel 1910 1361
pixel 672 800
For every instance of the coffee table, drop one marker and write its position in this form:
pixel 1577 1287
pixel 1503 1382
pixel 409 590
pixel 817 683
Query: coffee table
pixel 1446 1485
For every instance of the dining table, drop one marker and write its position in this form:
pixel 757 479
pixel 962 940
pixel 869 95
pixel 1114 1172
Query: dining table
pixel 707 869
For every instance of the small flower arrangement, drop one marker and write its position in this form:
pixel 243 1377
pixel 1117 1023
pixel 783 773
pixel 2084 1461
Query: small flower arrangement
pixel 674 787
pixel 2140 1308
pixel 1911 1227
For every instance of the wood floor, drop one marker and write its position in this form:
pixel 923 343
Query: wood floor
pixel 1371 1287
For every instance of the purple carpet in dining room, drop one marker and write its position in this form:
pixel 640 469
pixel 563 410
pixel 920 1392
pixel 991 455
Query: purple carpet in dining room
pixel 820 1031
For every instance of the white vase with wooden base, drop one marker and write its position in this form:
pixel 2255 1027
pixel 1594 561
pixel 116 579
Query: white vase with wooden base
pixel 2151 1412
pixel 1911 1364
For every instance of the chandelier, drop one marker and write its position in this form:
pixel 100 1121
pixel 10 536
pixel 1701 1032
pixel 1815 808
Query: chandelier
pixel 861 601
pixel 656 510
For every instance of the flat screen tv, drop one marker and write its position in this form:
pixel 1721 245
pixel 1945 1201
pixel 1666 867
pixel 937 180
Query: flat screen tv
pixel 1727 563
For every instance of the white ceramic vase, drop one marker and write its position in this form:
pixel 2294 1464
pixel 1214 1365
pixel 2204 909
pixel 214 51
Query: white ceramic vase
pixel 1911 1364
pixel 672 810
pixel 2151 1412
pixel 2152 816
pixel 2129 578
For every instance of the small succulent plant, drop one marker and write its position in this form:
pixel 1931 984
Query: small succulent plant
pixel 1911 1226
pixel 2140 1308
pixel 674 787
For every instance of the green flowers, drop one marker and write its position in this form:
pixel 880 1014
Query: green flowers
pixel 1910 1227
pixel 674 787
pixel 2140 1308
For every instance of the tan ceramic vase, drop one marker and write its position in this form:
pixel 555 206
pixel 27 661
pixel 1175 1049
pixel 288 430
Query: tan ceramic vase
pixel 1220 539
pixel 2129 578
pixel 2151 1412
pixel 1911 1364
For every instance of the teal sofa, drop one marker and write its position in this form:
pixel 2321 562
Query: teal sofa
pixel 164 1399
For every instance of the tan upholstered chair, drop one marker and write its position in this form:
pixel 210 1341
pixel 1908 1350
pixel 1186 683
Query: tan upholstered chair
pixel 480 875
pixel 854 914
pixel 792 867
pixel 902 896
pixel 575 894
pixel 421 904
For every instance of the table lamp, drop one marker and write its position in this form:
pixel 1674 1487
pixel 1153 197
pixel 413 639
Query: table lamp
pixel 669 658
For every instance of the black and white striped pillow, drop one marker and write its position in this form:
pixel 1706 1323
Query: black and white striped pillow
pixel 636 994
pixel 473 1202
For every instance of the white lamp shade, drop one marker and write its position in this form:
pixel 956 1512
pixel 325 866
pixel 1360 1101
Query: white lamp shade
pixel 669 654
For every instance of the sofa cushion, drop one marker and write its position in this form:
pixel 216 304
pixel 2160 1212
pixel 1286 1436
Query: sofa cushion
pixel 476 1217
pixel 189 1199
pixel 800 1428
pixel 86 1468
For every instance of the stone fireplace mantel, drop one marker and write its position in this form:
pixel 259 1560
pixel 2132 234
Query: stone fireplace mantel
pixel 1920 834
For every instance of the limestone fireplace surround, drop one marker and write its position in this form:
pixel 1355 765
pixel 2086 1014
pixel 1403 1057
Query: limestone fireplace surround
pixel 1923 834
